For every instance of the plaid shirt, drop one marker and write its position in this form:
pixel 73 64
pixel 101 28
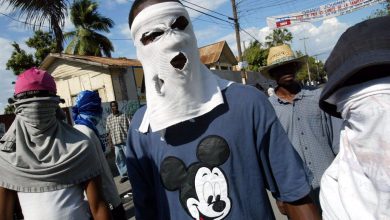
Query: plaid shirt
pixel 117 126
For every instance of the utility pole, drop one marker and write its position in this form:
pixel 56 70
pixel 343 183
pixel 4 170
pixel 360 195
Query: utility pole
pixel 238 40
pixel 307 58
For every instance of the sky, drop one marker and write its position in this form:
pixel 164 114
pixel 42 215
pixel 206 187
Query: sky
pixel 321 36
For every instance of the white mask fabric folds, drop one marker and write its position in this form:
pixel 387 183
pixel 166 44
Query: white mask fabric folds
pixel 178 86
pixel 357 184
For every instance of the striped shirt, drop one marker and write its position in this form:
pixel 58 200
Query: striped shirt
pixel 310 130
pixel 117 126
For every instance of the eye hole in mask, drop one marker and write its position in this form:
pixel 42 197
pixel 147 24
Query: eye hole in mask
pixel 149 37
pixel 180 23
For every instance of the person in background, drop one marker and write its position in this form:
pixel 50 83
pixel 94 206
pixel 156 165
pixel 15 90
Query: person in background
pixel 198 150
pixel 357 184
pixel 313 133
pixel 117 125
pixel 87 113
pixel 44 162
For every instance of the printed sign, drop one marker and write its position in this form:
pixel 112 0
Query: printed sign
pixel 329 10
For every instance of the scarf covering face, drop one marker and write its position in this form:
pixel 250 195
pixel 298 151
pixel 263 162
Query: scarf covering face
pixel 357 184
pixel 173 94
pixel 42 153
pixel 88 111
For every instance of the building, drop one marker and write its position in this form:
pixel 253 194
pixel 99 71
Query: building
pixel 113 78
pixel 218 56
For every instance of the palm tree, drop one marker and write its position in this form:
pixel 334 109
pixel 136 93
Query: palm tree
pixel 85 39
pixel 278 37
pixel 37 12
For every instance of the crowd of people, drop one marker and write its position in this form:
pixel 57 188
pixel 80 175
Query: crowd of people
pixel 204 147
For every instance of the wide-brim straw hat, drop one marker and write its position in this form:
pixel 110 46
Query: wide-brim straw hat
pixel 278 56
pixel 362 45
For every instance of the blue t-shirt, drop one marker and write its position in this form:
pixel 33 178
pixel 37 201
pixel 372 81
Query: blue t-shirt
pixel 216 166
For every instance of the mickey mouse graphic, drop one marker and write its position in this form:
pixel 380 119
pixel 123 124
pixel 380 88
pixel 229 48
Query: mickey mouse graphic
pixel 203 186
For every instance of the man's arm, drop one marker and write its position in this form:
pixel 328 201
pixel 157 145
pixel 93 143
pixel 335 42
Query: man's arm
pixel 302 209
pixel 333 126
pixel 284 170
pixel 97 204
pixel 109 140
pixel 140 173
pixel 7 203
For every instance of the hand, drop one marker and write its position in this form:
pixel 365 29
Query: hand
pixel 281 207
pixel 302 209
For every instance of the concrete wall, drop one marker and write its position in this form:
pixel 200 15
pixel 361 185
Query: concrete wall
pixel 253 78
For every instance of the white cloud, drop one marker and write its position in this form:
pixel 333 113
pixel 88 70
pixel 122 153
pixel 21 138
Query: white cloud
pixel 7 76
pixel 123 47
pixel 321 39
pixel 68 24
pixel 5 9
pixel 203 35
pixel 121 1
pixel 124 30
pixel 245 38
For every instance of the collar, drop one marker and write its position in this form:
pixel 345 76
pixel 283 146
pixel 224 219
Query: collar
pixel 298 96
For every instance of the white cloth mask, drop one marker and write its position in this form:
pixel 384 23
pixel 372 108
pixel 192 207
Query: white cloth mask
pixel 176 91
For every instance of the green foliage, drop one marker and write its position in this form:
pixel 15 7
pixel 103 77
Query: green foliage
pixel 86 40
pixel 20 60
pixel 385 11
pixel 255 55
pixel 38 12
pixel 316 68
pixel 9 109
pixel 278 37
pixel 42 42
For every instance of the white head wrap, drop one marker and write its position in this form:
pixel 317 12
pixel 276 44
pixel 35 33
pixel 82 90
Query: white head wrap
pixel 173 95
pixel 357 184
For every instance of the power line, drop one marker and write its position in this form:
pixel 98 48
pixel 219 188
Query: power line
pixel 249 34
pixel 207 14
pixel 230 18
pixel 269 6
pixel 24 22
pixel 221 25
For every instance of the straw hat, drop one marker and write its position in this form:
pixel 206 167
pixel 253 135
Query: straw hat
pixel 362 45
pixel 280 55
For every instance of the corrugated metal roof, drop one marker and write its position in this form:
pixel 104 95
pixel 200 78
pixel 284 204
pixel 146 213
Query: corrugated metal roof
pixel 111 62
pixel 212 53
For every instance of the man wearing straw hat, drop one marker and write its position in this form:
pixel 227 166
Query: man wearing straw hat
pixel 309 129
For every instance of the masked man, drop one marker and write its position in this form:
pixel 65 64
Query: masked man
pixel 357 184
pixel 45 162
pixel 313 133
pixel 199 150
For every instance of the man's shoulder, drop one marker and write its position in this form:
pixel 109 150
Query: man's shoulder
pixel 243 93
pixel 86 131
pixel 310 90
pixel 137 118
